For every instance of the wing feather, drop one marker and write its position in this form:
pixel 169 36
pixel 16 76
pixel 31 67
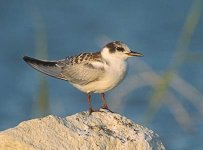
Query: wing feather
pixel 81 69
pixel 82 73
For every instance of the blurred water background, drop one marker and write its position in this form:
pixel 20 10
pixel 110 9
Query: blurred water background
pixel 162 90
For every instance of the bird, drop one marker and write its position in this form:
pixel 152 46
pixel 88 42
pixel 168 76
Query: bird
pixel 90 72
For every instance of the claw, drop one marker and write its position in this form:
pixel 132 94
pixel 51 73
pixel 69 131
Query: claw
pixel 106 107
pixel 92 110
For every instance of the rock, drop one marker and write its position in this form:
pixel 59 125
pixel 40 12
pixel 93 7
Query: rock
pixel 100 130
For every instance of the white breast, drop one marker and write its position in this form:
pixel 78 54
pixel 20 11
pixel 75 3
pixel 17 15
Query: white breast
pixel 115 73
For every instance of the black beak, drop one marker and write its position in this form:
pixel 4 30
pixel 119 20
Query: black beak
pixel 132 53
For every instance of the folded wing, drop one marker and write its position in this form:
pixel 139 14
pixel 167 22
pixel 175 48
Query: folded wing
pixel 82 72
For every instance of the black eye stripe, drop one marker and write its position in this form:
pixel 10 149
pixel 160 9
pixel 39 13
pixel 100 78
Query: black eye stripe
pixel 121 49
pixel 111 47
pixel 115 46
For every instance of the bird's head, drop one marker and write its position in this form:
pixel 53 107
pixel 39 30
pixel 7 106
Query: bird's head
pixel 119 50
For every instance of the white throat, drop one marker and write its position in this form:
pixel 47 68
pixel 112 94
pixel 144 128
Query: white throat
pixel 113 57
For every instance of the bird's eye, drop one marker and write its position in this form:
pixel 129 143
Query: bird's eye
pixel 120 49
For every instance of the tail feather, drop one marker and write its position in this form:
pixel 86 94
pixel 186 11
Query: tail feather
pixel 47 67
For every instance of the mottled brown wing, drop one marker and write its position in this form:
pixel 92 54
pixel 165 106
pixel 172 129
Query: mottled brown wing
pixel 81 69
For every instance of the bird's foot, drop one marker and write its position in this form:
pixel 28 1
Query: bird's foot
pixel 92 110
pixel 106 107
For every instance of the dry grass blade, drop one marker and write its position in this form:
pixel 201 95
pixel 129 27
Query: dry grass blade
pixel 149 77
pixel 42 106
pixel 160 90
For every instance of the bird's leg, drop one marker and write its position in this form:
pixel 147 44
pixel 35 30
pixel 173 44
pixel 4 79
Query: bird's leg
pixel 105 106
pixel 89 104
pixel 105 103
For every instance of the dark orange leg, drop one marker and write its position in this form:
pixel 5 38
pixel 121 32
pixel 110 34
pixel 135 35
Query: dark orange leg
pixel 105 106
pixel 89 104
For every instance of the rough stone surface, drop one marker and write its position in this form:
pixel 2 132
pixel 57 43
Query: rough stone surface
pixel 100 130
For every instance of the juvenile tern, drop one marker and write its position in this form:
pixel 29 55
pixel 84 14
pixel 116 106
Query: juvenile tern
pixel 96 72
